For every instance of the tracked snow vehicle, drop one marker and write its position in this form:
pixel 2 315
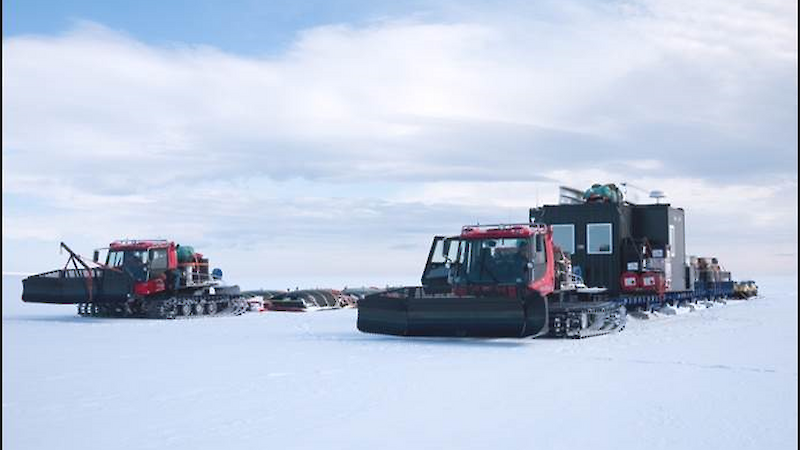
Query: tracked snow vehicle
pixel 140 278
pixel 494 281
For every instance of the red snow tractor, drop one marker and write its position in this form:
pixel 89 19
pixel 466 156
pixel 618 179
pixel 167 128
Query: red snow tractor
pixel 494 281
pixel 139 278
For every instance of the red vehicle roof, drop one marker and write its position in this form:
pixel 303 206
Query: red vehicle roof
pixel 135 244
pixel 501 231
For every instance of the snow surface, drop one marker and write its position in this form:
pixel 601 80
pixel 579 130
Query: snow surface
pixel 722 377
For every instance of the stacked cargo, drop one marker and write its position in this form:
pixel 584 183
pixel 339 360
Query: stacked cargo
pixel 603 193
pixel 193 267
pixel 708 269
pixel 708 278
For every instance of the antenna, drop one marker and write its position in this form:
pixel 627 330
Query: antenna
pixel 658 195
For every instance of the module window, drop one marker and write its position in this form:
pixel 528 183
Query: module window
pixel 598 238
pixel 564 237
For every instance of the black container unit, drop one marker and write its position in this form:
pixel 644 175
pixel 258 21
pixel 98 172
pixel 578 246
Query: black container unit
pixel 601 237
pixel 664 228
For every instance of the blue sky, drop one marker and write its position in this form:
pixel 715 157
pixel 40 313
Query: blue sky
pixel 323 143
pixel 244 27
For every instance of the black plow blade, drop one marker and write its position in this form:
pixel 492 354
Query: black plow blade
pixel 412 312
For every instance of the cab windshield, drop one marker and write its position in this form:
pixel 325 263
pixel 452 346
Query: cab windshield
pixel 134 262
pixel 494 261
pixel 118 258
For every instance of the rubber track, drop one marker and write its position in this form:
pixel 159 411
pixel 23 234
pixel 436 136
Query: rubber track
pixel 169 307
pixel 580 320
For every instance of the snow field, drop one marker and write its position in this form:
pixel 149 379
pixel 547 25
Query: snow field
pixel 721 377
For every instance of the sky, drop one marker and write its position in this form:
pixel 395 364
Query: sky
pixel 324 143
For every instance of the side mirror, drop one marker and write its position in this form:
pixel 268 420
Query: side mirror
pixel 96 256
pixel 529 265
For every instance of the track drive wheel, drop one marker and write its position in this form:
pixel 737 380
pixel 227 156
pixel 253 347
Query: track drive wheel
pixel 211 308
pixel 186 309
pixel 198 308
pixel 169 310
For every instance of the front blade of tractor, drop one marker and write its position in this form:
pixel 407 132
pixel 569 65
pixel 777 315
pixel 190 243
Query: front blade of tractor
pixel 412 312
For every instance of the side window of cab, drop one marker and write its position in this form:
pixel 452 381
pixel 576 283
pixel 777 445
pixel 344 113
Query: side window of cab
pixel 158 262
pixel 541 255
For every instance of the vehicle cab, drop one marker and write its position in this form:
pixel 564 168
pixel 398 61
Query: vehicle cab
pixel 491 257
pixel 146 261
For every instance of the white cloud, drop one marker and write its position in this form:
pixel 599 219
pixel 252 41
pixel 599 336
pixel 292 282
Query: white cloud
pixel 380 135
